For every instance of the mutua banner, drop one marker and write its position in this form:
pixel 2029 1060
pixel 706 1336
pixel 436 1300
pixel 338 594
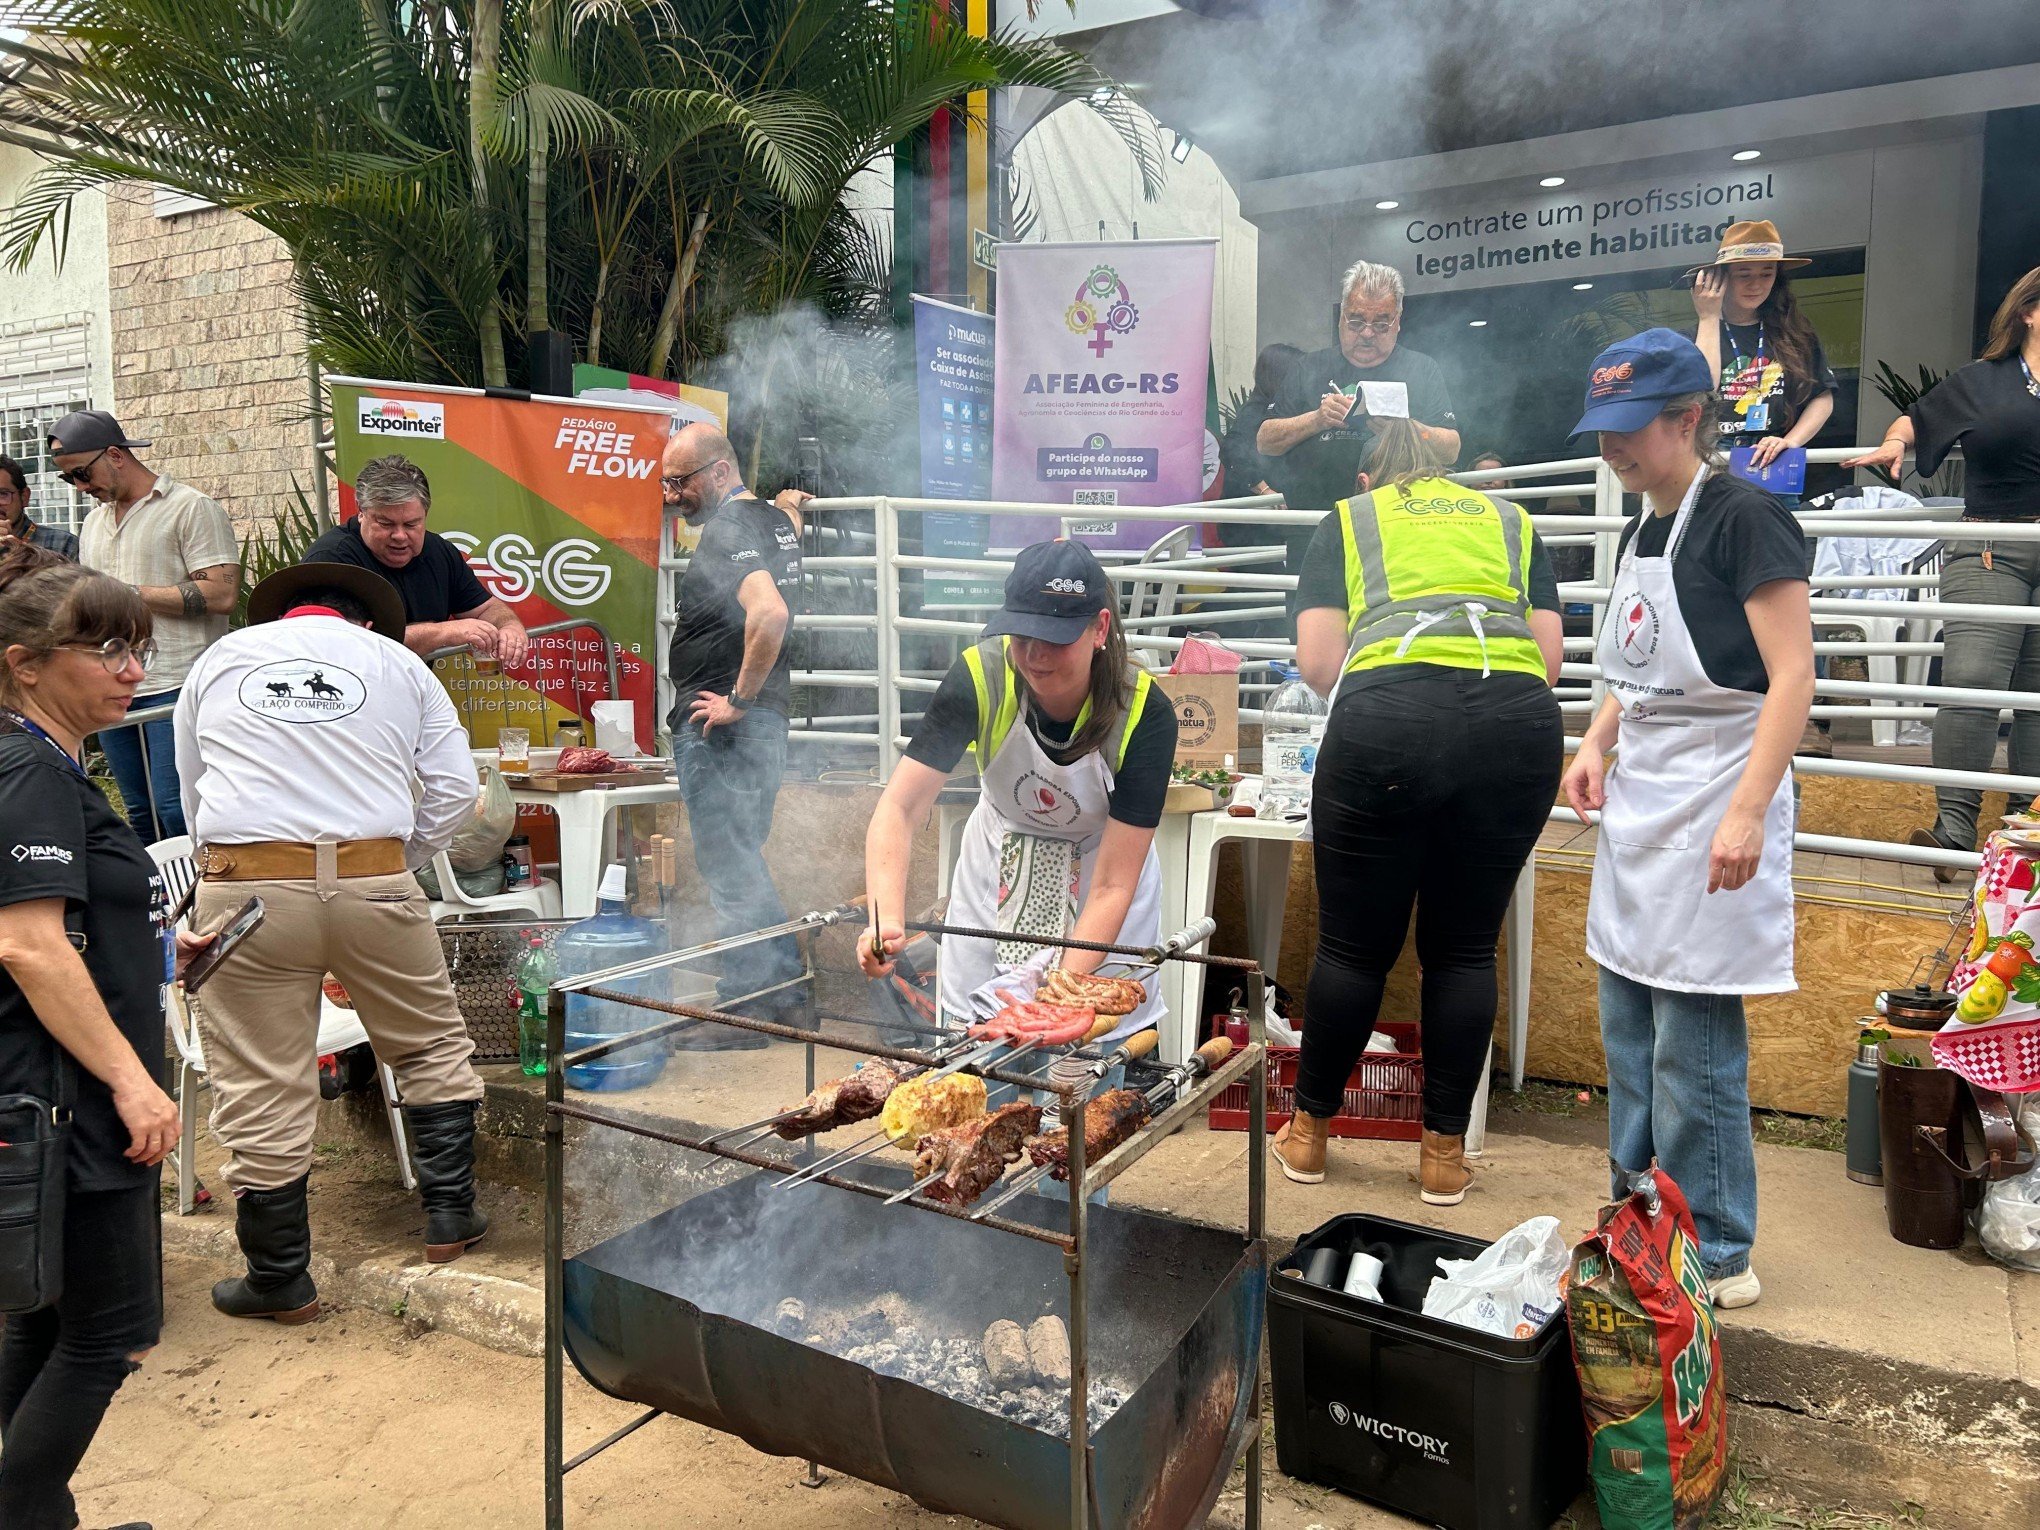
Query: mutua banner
pixel 953 373
pixel 1103 355
pixel 555 505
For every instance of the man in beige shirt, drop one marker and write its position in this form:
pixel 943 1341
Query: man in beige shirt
pixel 177 548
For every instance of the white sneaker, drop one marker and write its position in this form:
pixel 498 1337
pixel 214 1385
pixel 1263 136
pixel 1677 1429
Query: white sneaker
pixel 1732 1291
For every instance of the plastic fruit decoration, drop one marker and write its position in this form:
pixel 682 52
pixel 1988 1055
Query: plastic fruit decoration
pixel 1985 999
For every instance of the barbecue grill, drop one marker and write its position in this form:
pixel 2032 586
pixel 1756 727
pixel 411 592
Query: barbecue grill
pixel 803 1307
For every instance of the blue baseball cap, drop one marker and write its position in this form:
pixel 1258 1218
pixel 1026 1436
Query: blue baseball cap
pixel 1054 591
pixel 1632 380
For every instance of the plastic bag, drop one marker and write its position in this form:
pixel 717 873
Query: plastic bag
pixel 1648 1351
pixel 1510 1289
pixel 2008 1221
pixel 478 843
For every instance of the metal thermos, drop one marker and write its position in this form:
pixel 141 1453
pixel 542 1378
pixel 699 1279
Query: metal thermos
pixel 1864 1155
pixel 1323 1267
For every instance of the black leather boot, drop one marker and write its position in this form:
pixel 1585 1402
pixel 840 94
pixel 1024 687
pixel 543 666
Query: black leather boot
pixel 275 1230
pixel 443 1152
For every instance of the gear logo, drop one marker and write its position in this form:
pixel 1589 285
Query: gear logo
pixel 1103 309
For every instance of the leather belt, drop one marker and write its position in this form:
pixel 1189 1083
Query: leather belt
pixel 290 860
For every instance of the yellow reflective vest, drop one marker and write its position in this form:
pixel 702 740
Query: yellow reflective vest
pixel 998 701
pixel 1437 574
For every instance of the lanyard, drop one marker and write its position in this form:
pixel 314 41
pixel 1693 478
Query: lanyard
pixel 2032 386
pixel 1728 330
pixel 40 732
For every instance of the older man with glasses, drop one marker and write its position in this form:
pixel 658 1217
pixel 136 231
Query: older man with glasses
pixel 177 548
pixel 1319 432
pixel 729 664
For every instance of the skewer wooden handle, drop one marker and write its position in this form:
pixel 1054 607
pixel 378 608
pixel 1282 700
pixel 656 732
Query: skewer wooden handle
pixel 1212 1053
pixel 1140 1044
pixel 1104 1024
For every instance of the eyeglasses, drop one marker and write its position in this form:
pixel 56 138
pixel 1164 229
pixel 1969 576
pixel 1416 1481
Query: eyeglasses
pixel 78 475
pixel 673 483
pixel 114 653
pixel 1371 326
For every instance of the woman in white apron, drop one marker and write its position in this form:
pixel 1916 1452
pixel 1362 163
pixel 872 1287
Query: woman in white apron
pixel 1707 655
pixel 1074 747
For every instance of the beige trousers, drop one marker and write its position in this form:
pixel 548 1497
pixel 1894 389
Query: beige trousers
pixel 258 1015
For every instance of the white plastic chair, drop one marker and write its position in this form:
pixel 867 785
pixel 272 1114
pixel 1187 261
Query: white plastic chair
pixel 541 899
pixel 1157 599
pixel 339 1029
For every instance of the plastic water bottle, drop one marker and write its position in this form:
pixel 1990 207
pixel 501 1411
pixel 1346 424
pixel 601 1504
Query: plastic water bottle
pixel 536 973
pixel 1292 727
pixel 609 939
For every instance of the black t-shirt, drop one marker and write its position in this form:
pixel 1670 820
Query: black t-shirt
pixel 1745 386
pixel 1986 406
pixel 737 540
pixel 1139 783
pixel 62 839
pixel 1316 474
pixel 437 585
pixel 1738 539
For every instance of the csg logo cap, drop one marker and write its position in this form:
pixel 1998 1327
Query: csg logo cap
pixel 1054 591
pixel 1632 380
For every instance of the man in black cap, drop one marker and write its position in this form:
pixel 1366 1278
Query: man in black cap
pixel 301 739
pixel 177 548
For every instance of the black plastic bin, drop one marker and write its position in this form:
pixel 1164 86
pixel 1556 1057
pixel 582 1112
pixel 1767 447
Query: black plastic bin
pixel 1441 1422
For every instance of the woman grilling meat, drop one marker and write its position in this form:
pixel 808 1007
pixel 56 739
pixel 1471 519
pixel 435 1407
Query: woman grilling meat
pixel 1707 653
pixel 1074 747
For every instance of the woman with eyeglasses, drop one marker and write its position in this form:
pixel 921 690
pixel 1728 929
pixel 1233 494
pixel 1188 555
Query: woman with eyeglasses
pixel 85 951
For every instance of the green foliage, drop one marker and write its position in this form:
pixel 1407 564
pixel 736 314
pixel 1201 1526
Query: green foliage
pixel 451 175
pixel 297 527
pixel 1902 393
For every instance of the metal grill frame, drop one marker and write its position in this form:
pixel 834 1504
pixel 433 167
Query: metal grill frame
pixel 1249 1065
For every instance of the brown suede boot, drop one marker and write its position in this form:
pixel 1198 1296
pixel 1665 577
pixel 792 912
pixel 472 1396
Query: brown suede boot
pixel 1300 1148
pixel 1442 1170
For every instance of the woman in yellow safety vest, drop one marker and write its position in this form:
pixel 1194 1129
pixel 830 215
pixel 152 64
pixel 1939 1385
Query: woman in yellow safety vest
pixel 1429 613
pixel 1074 748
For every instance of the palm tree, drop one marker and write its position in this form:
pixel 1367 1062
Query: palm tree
pixel 454 176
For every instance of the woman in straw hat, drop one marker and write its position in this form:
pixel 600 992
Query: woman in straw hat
pixel 1775 386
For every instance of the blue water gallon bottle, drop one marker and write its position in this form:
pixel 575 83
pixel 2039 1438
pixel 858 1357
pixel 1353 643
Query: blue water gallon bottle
pixel 612 937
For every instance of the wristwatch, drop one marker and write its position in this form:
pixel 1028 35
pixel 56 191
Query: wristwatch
pixel 742 704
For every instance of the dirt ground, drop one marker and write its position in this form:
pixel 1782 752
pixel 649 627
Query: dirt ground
pixel 352 1423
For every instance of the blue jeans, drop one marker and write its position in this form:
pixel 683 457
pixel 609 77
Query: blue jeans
pixel 730 782
pixel 1679 1092
pixel 158 784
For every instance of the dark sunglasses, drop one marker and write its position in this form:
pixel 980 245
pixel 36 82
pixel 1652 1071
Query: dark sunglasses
pixel 78 475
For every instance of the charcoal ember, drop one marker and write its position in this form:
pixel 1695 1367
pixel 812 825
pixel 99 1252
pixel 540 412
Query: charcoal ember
pixel 790 1316
pixel 1048 1351
pixel 1007 1361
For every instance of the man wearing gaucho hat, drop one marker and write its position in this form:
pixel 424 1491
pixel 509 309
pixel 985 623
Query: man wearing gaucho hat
pixel 299 740
pixel 1775 385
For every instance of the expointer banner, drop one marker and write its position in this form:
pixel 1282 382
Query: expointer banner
pixel 953 373
pixel 555 505
pixel 1103 352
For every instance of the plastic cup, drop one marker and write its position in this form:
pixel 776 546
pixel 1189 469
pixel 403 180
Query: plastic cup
pixel 513 749
pixel 1363 1277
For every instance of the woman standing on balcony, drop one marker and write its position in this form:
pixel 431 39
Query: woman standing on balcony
pixel 1991 409
pixel 1707 654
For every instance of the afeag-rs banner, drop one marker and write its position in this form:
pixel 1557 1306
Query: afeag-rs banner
pixel 1103 353
pixel 555 505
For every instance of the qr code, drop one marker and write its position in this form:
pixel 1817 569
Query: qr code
pixel 1094 497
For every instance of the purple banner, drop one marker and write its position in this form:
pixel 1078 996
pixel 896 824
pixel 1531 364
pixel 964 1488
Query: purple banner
pixel 1103 359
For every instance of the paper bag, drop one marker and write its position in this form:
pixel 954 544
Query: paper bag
pixel 1207 717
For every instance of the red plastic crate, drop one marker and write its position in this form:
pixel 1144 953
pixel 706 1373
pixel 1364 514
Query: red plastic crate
pixel 1384 1097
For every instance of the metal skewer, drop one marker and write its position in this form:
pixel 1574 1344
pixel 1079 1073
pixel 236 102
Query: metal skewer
pixel 767 1123
pixel 864 1147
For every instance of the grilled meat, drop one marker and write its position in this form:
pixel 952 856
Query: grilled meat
pixel 854 1097
pixel 1108 1121
pixel 924 1105
pixel 1038 1024
pixel 1106 995
pixel 968 1160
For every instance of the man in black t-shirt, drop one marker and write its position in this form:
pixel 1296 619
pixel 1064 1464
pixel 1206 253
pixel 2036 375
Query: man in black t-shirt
pixel 729 664
pixel 445 606
pixel 1318 432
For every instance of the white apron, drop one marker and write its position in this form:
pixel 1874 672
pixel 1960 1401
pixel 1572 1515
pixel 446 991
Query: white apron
pixel 1681 748
pixel 1025 864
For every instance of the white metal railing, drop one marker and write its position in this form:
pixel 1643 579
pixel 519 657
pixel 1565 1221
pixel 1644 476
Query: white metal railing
pixel 1226 588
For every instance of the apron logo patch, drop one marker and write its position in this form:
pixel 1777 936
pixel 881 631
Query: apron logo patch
pixel 1637 641
pixel 1040 800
